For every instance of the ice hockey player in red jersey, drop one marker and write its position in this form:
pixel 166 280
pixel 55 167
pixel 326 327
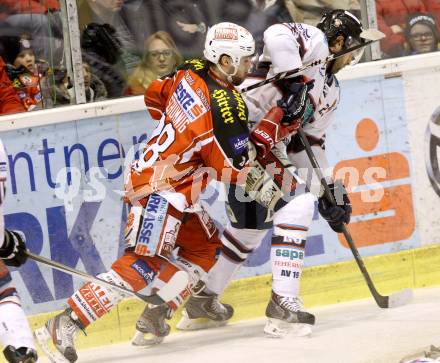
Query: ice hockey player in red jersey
pixel 202 133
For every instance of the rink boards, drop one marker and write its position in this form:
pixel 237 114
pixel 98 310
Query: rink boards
pixel 66 179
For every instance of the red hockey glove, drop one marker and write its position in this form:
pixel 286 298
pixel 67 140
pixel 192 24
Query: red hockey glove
pixel 269 130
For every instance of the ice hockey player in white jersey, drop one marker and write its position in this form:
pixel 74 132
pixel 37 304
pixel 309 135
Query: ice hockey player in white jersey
pixel 289 46
pixel 15 334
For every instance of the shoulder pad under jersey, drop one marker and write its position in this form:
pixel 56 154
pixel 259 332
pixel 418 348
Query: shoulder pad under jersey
pixel 197 65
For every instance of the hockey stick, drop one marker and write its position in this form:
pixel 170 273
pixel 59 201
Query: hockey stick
pixel 177 283
pixel 394 300
pixel 373 35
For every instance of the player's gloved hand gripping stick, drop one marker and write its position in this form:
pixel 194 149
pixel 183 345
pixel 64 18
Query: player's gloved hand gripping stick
pixel 394 300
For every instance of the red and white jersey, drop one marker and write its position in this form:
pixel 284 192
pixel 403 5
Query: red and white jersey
pixel 289 46
pixel 202 135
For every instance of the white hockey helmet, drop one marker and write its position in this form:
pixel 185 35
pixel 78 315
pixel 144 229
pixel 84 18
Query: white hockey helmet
pixel 230 39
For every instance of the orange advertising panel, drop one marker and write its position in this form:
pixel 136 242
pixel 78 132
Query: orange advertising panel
pixel 385 213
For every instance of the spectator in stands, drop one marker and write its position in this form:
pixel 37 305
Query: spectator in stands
pixel 95 88
pixel 64 92
pixel 4 12
pixel 28 77
pixel 111 12
pixel 433 7
pixel 255 15
pixel 391 18
pixel 9 101
pixel 421 33
pixel 266 13
pixel 161 57
pixel 284 10
pixel 102 51
pixel 42 20
pixel 62 86
pixel 310 11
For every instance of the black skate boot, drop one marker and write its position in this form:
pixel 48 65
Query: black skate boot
pixel 204 311
pixel 62 330
pixel 152 322
pixel 208 306
pixel 286 315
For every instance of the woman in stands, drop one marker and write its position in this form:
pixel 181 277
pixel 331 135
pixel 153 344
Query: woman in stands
pixel 161 57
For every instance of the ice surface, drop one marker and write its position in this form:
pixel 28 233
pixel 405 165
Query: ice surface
pixel 356 332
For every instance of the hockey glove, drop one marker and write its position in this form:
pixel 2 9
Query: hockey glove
pixel 337 214
pixel 296 105
pixel 23 354
pixel 13 248
pixel 269 131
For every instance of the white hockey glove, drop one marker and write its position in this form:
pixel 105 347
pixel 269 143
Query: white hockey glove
pixel 269 180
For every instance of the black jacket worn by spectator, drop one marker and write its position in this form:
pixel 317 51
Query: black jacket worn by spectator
pixel 102 51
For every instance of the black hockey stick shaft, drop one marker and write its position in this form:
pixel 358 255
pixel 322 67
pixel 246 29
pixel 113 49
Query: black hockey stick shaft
pixel 152 299
pixel 381 300
pixel 305 67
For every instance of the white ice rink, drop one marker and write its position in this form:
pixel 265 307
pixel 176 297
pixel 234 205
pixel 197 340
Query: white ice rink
pixel 357 332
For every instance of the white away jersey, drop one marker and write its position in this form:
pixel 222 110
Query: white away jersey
pixel 288 46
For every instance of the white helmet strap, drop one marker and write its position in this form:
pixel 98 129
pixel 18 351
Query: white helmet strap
pixel 228 75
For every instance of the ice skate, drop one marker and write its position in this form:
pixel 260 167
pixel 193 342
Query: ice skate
pixel 286 316
pixel 151 327
pixel 61 330
pixel 204 311
pixel 429 354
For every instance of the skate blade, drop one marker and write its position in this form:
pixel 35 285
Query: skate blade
pixel 276 328
pixel 139 340
pixel 429 354
pixel 43 337
pixel 185 323
pixel 420 360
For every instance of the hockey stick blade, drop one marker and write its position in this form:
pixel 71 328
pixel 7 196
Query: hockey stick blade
pixel 400 298
pixel 383 301
pixel 161 296
pixel 371 36
pixel 394 300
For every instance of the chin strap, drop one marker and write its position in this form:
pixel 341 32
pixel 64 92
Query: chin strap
pixel 229 76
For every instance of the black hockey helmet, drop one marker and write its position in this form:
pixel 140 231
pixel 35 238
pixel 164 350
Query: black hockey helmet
pixel 341 22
